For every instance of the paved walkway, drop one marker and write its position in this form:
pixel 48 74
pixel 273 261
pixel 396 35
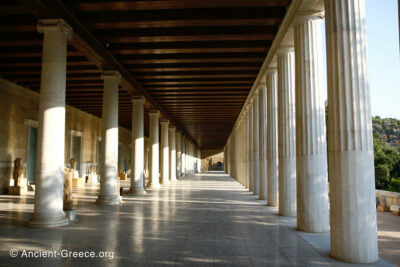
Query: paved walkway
pixel 203 220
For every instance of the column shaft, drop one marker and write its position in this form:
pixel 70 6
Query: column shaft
pixel 178 154
pixel 49 176
pixel 172 154
pixel 350 146
pixel 287 133
pixel 164 152
pixel 262 142
pixel 154 177
pixel 183 155
pixel 251 148
pixel 137 162
pixel 272 137
pixel 256 158
pixel 311 160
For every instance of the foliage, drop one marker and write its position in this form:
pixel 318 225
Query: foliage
pixel 394 185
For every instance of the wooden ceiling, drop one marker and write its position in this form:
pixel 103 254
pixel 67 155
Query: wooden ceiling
pixel 195 60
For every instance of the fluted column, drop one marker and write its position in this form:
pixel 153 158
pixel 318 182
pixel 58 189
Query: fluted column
pixel 154 177
pixel 286 132
pixel 49 178
pixel 178 154
pixel 247 148
pixel 172 154
pixel 350 146
pixel 183 155
pixel 137 161
pixel 311 160
pixel 251 147
pixel 256 155
pixel 109 191
pixel 164 152
pixel 272 136
pixel 262 142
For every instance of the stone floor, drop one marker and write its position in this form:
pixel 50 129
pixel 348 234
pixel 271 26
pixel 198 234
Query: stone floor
pixel 203 220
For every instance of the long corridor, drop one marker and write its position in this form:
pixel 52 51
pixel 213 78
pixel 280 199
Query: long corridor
pixel 202 220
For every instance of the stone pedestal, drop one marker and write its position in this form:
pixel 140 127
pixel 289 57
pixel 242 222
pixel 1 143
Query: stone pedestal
pixel 154 177
pixel 350 146
pixel 109 142
pixel 137 163
pixel 18 190
pixel 286 132
pixel 312 175
pixel 48 211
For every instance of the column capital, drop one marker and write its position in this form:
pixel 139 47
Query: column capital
pixel 306 16
pixel 110 74
pixel 54 25
pixel 178 132
pixel 154 112
pixel 284 49
pixel 138 99
pixel 172 128
pixel 164 121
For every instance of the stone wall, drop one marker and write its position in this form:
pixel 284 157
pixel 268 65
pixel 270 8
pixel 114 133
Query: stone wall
pixel 384 199
pixel 19 110
pixel 212 159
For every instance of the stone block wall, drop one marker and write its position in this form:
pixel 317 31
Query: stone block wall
pixel 19 109
pixel 212 159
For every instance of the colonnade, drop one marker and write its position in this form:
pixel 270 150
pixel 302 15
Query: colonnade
pixel 284 157
pixel 179 155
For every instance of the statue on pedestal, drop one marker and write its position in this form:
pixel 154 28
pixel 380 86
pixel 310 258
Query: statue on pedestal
pixel 68 189
pixel 18 171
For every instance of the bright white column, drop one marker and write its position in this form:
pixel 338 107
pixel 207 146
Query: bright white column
pixel 256 155
pixel 154 177
pixel 183 155
pixel 49 176
pixel 350 146
pixel 178 153
pixel 247 148
pixel 109 142
pixel 137 162
pixel 251 147
pixel 187 156
pixel 262 142
pixel 272 136
pixel 172 154
pixel 164 152
pixel 286 132
pixel 311 160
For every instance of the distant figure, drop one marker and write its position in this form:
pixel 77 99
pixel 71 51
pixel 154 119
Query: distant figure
pixel 210 165
pixel 18 171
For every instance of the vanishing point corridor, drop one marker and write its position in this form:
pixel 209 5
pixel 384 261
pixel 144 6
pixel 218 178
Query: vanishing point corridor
pixel 205 219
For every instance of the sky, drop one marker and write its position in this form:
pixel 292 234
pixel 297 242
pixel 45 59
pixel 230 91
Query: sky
pixel 383 57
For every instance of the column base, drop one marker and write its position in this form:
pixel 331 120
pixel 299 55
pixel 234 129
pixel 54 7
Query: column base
pixel 108 200
pixel 137 191
pixel 47 221
pixel 164 182
pixel 153 185
pixel 174 180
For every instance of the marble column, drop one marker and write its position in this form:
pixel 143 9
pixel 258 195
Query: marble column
pixel 178 154
pixel 311 157
pixel 247 148
pixel 183 155
pixel 350 145
pixel 272 136
pixel 154 177
pixel 109 191
pixel 137 161
pixel 172 154
pixel 256 155
pixel 262 142
pixel 286 132
pixel 164 152
pixel 251 147
pixel 187 156
pixel 49 176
